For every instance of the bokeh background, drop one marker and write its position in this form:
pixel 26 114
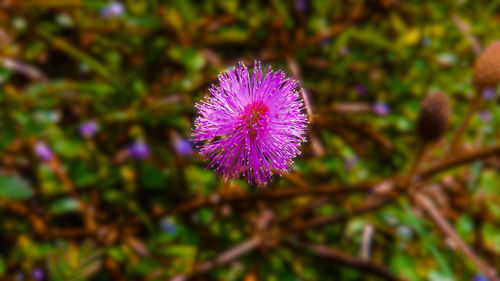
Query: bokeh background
pixel 99 181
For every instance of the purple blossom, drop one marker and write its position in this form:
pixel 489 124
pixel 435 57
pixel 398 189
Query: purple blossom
pixel 344 51
pixel 485 115
pixel 301 5
pixel 381 108
pixel 361 89
pixel 88 129
pixel 488 94
pixel 183 147
pixel 38 274
pixel 252 124
pixel 168 226
pixel 138 150
pixel 113 9
pixel 43 151
pixel 479 277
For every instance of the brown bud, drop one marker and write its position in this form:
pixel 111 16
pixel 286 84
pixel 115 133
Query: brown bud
pixel 487 67
pixel 433 118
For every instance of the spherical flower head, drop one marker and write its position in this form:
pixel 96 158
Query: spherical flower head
pixel 434 116
pixel 183 147
pixel 43 151
pixel 487 67
pixel 88 129
pixel 138 150
pixel 252 124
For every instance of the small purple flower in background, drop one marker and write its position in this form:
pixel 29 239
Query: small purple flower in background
pixel 479 277
pixel 38 274
pixel 138 150
pixel 43 151
pixel 251 124
pixel 88 129
pixel 381 108
pixel 113 9
pixel 168 226
pixel 183 147
pixel 361 89
pixel 301 5
pixel 350 162
pixel 344 51
pixel 488 94
pixel 485 115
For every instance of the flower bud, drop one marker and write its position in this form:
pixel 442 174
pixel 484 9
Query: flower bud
pixel 487 67
pixel 434 116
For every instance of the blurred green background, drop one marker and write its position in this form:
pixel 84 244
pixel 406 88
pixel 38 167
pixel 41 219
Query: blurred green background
pixel 98 179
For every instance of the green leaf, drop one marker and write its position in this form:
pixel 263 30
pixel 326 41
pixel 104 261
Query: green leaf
pixel 180 250
pixel 14 187
pixel 2 267
pixel 64 205
pixel 68 148
pixel 404 265
pixel 465 225
pixel 427 240
pixel 74 263
pixel 152 177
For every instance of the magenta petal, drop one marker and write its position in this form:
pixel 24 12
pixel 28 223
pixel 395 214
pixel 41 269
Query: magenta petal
pixel 251 124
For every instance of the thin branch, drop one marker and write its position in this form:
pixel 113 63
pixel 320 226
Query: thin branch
pixel 271 194
pixel 473 107
pixel 257 240
pixel 337 256
pixel 223 259
pixel 320 221
pixel 460 160
pixel 350 108
pixel 464 28
pixel 445 227
pixel 23 68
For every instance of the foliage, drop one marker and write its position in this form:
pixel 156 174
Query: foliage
pixel 96 206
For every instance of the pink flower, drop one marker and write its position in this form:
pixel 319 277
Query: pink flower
pixel 43 151
pixel 252 124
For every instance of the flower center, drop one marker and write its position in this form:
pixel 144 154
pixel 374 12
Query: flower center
pixel 254 116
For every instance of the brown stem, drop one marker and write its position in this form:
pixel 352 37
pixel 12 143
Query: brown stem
pixel 281 194
pixel 459 160
pixel 337 256
pixel 271 194
pixel 320 221
pixel 87 212
pixel 224 258
pixel 464 28
pixel 474 106
pixel 408 181
pixel 257 240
